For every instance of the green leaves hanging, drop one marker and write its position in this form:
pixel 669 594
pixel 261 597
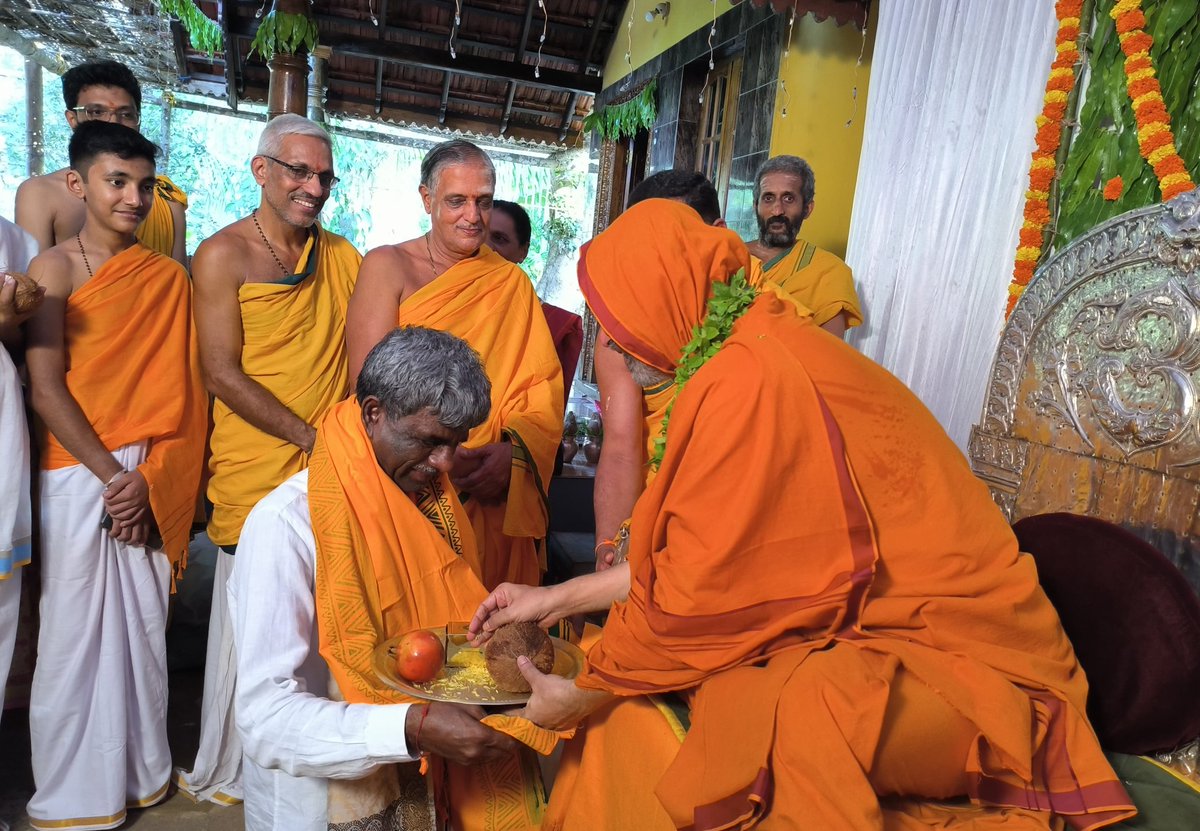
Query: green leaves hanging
pixel 620 120
pixel 284 32
pixel 203 32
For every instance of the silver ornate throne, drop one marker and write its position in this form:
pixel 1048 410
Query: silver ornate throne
pixel 1093 402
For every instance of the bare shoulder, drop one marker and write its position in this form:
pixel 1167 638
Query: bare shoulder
pixel 385 265
pixel 53 269
pixel 213 258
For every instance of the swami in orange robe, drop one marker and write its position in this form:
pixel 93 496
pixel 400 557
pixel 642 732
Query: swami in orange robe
pixel 132 366
pixel 490 303
pixel 386 564
pixel 818 572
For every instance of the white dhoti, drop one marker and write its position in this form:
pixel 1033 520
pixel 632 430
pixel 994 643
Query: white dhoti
pixel 97 718
pixel 217 773
pixel 15 522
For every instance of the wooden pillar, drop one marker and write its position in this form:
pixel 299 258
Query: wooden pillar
pixel 165 134
pixel 35 150
pixel 318 83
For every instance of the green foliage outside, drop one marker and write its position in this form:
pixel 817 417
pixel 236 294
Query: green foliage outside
pixel 1106 143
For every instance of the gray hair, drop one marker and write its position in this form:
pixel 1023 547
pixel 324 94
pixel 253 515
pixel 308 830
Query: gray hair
pixel 794 165
pixel 414 368
pixel 456 151
pixel 270 143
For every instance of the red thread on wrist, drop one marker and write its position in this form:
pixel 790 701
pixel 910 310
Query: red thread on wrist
pixel 417 737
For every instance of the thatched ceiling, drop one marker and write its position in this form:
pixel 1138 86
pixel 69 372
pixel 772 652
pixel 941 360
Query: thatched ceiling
pixel 397 69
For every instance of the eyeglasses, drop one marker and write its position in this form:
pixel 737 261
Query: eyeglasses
pixel 303 174
pixel 125 115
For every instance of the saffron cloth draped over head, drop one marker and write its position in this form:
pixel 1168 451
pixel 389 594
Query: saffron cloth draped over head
pixel 134 369
pixel 808 503
pixel 388 563
pixel 294 345
pixel 489 302
pixel 157 230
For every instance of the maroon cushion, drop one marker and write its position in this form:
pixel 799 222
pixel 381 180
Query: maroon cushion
pixel 1135 623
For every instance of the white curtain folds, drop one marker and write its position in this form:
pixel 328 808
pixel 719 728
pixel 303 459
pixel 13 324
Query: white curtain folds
pixel 955 88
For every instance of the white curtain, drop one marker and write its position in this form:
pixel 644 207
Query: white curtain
pixel 955 88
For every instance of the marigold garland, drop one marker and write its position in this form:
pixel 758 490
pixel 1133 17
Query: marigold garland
pixel 1155 140
pixel 1049 135
pixel 1113 189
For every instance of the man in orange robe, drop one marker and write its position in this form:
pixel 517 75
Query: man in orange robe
pixel 115 380
pixel 784 196
pixel 449 279
pixel 365 545
pixel 816 570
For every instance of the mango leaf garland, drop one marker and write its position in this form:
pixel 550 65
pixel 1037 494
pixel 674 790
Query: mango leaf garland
pixel 203 31
pixel 281 32
pixel 618 121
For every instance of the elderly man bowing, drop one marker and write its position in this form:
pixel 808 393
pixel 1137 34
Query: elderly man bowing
pixel 449 279
pixel 367 544
pixel 816 568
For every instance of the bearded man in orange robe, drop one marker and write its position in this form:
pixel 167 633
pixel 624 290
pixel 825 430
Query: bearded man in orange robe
pixel 815 581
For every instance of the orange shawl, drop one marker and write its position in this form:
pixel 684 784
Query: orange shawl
pixel 133 367
pixel 847 520
pixel 387 564
pixel 157 230
pixel 489 302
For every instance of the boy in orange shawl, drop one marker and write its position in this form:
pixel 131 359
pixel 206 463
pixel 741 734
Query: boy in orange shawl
pixel 115 381
pixel 449 279
pixel 815 569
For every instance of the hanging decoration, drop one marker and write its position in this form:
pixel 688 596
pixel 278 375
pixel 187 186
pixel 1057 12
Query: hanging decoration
pixel 787 48
pixel 618 121
pixel 537 69
pixel 712 33
pixel 1049 135
pixel 454 28
pixel 629 35
pixel 284 33
pixel 862 50
pixel 203 32
pixel 1155 139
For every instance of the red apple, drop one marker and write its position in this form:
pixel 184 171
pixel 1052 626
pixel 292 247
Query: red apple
pixel 419 656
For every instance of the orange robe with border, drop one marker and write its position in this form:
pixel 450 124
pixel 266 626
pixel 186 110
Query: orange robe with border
pixel 134 369
pixel 490 303
pixel 812 547
pixel 157 230
pixel 386 564
pixel 817 280
pixel 294 345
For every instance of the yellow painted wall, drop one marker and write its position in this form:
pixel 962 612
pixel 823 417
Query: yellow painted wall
pixel 820 75
pixel 652 39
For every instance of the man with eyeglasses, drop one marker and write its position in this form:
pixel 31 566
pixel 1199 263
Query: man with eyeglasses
pixel 271 295
pixel 784 193
pixel 100 91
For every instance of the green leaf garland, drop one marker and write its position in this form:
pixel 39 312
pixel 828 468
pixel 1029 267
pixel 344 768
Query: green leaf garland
pixel 203 32
pixel 284 32
pixel 728 303
pixel 620 120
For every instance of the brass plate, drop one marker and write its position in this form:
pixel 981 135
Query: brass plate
pixel 568 662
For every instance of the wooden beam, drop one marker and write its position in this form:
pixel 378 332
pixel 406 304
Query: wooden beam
pixel 568 116
pixel 383 25
pixel 179 44
pixel 518 60
pixel 228 11
pixel 559 22
pixel 471 65
pixel 445 98
pixel 596 24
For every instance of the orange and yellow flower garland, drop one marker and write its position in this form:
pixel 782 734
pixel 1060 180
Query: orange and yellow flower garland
pixel 1049 134
pixel 1155 140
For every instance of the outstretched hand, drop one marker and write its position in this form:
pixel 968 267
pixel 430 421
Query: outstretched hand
pixel 512 602
pixel 454 732
pixel 555 702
